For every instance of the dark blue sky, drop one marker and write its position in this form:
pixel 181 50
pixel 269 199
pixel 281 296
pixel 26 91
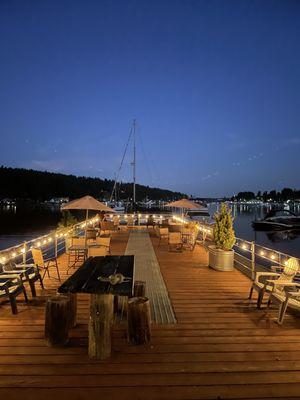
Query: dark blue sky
pixel 214 85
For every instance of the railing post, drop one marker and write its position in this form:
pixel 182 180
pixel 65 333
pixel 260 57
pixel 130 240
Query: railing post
pixel 55 245
pixel 24 254
pixel 252 260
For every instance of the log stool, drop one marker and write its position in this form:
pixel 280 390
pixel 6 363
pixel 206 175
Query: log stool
pixel 139 289
pixel 57 321
pixel 72 297
pixel 139 320
pixel 101 319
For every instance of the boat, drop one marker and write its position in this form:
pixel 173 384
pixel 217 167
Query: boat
pixel 278 220
pixel 201 215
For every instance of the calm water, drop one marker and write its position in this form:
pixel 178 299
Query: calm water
pixel 286 242
pixel 23 223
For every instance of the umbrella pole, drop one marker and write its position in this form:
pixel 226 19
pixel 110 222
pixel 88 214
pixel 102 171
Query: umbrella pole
pixel 86 219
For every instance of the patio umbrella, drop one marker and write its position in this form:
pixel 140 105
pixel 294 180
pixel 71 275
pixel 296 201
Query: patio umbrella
pixel 86 203
pixel 184 204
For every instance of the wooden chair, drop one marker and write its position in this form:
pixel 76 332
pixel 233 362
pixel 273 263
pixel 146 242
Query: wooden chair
pixel 11 288
pixel 163 234
pixel 96 251
pixel 263 280
pixel 27 273
pixel 116 222
pixel 107 226
pixel 286 295
pixel 104 241
pixel 44 264
pixel 175 240
pixel 130 221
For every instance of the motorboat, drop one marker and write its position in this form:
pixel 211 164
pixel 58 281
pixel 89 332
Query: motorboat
pixel 201 215
pixel 277 220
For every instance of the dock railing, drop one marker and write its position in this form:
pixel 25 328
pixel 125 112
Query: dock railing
pixel 52 244
pixel 250 257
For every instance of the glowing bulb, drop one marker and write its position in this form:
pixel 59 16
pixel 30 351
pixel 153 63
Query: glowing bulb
pixel 244 246
pixel 50 240
pixel 44 241
pixel 262 253
pixel 13 254
pixel 38 244
pixel 272 257
pixel 23 250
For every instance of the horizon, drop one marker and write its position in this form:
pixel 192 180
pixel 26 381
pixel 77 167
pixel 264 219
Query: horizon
pixel 214 87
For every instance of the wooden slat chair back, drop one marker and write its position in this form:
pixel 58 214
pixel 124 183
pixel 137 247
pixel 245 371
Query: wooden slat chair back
pixel 262 283
pixel 163 234
pixel 130 221
pixel 96 251
pixel 38 258
pixel 78 241
pixel 175 240
pixel 103 241
pixel 43 264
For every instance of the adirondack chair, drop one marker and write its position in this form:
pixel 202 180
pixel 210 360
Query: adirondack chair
pixel 11 288
pixel 44 264
pixel 286 295
pixel 27 272
pixel 263 280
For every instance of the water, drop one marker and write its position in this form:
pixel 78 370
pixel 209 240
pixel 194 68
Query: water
pixel 27 221
pixel 285 241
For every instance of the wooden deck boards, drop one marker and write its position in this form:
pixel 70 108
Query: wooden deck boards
pixel 221 347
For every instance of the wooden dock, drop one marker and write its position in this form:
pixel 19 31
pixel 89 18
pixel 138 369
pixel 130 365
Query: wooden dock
pixel 221 348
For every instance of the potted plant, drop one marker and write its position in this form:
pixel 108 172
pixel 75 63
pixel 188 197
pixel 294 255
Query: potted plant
pixel 221 255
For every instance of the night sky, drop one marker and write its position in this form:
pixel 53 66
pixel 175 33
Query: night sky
pixel 214 86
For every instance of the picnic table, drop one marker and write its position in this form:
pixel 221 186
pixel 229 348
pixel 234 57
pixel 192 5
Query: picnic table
pixel 102 278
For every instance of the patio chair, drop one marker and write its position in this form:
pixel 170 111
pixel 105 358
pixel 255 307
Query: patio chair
pixel 189 238
pixel 27 272
pixel 11 288
pixel 286 295
pixel 96 251
pixel 262 280
pixel 44 264
pixel 163 234
pixel 130 221
pixel 116 222
pixel 175 240
pixel 104 241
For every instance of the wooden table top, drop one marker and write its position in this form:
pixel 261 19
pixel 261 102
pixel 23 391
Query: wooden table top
pixel 102 275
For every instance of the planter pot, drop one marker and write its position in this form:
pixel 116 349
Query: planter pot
pixel 220 260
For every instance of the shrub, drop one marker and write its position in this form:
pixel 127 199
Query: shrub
pixel 224 236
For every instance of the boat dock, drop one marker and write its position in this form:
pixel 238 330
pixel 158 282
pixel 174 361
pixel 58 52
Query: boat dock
pixel 220 346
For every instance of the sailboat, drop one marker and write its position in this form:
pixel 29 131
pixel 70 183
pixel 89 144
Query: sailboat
pixel 114 203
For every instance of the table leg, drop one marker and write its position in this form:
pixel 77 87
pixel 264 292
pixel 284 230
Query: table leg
pixel 101 318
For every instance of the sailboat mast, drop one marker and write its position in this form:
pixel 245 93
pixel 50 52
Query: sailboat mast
pixel 134 162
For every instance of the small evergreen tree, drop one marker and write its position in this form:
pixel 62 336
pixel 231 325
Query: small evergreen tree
pixel 67 219
pixel 224 236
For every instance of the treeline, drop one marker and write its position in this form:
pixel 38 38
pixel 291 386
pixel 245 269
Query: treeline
pixel 20 183
pixel 284 195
